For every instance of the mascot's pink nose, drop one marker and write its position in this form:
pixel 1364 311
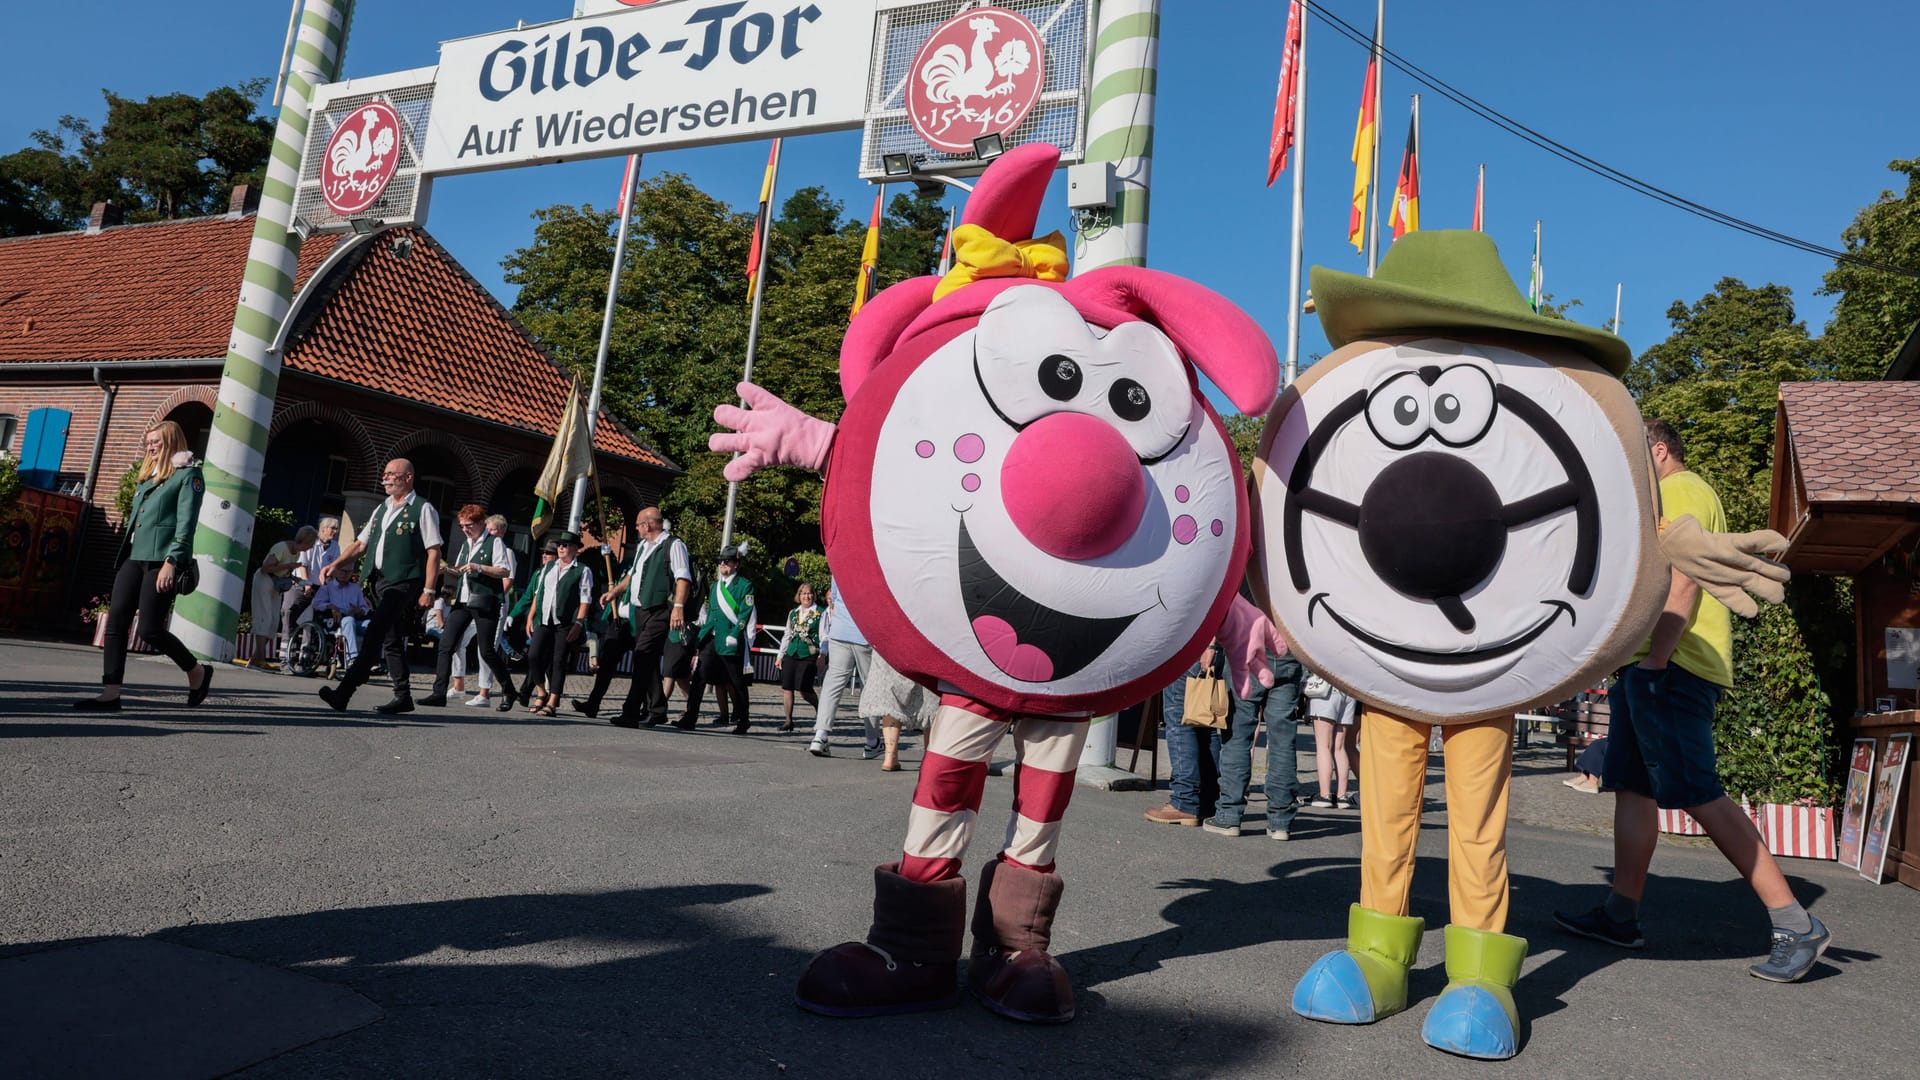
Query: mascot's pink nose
pixel 1073 486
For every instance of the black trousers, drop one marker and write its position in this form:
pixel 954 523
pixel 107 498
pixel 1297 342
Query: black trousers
pixel 548 651
pixel 484 614
pixel 713 666
pixel 649 645
pixel 135 592
pixel 613 645
pixel 396 607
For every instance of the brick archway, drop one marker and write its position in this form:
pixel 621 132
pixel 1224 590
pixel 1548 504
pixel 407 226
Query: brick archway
pixel 363 467
pixel 443 442
pixel 186 395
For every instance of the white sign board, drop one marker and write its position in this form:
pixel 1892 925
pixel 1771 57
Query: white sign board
pixel 649 78
pixel 602 7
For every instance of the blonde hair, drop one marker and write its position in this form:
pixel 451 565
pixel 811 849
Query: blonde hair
pixel 172 441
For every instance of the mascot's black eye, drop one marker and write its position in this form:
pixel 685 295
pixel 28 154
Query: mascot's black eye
pixel 1129 400
pixel 1406 410
pixel 1446 409
pixel 1060 377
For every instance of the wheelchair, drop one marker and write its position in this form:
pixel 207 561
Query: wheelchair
pixel 318 648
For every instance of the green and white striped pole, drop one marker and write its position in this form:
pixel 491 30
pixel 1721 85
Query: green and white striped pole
pixel 1126 60
pixel 237 446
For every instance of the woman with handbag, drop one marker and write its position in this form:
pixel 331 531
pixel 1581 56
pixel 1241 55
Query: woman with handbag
pixel 270 585
pixel 159 565
pixel 1334 717
pixel 799 653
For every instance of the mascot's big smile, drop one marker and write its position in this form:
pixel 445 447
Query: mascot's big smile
pixel 1024 638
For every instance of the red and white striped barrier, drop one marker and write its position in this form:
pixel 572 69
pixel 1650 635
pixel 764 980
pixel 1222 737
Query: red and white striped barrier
pixel 1795 831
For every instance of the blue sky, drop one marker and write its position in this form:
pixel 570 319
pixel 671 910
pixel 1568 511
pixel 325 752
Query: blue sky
pixel 1759 108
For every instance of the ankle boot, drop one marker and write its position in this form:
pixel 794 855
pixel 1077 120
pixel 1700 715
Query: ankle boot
pixel 1010 971
pixel 910 961
pixel 1367 980
pixel 1474 1016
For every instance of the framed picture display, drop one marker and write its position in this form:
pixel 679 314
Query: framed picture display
pixel 1853 815
pixel 1885 801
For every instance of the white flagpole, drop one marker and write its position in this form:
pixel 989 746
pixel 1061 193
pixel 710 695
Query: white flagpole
pixel 579 503
pixel 1373 197
pixel 753 332
pixel 1617 286
pixel 1299 204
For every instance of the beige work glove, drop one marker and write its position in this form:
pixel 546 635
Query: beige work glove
pixel 1727 565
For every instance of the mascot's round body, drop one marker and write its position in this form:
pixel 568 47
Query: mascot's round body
pixel 1030 507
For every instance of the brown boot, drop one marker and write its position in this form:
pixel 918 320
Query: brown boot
pixel 1010 971
pixel 910 961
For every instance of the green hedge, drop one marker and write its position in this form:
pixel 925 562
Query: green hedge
pixel 1793 686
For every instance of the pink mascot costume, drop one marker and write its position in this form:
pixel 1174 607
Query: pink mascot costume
pixel 1030 507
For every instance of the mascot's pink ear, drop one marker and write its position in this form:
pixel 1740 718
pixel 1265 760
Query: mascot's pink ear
pixel 878 327
pixel 1006 201
pixel 1220 339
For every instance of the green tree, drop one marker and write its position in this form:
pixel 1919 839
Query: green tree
pixel 1716 379
pixel 168 156
pixel 1876 310
pixel 1244 431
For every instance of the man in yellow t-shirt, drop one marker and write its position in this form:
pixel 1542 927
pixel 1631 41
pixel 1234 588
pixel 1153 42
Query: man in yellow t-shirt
pixel 1660 749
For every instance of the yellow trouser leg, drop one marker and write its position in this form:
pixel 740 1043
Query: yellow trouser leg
pixel 1479 760
pixel 1393 768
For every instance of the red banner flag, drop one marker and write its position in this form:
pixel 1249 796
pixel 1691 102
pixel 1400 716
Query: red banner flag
pixel 1406 192
pixel 1480 202
pixel 1365 131
pixel 1287 96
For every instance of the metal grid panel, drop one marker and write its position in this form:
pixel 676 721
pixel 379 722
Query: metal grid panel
pixel 401 202
pixel 1060 116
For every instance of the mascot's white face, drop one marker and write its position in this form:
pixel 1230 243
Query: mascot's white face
pixel 1454 530
pixel 1053 507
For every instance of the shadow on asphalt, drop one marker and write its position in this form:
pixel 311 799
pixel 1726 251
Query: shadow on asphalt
pixel 653 982
pixel 1308 899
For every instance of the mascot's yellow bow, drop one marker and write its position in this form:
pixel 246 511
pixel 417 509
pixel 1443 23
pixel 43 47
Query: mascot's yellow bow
pixel 979 255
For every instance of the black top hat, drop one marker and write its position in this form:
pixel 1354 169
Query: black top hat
pixel 562 536
pixel 730 553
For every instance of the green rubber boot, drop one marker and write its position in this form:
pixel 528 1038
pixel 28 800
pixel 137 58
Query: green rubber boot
pixel 1475 1016
pixel 1367 980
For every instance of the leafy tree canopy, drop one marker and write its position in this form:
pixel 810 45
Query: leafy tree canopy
pixel 169 156
pixel 1876 310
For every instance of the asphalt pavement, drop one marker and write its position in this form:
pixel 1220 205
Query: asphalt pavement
pixel 265 888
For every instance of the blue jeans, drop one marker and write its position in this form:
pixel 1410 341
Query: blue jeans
pixel 1660 737
pixel 1277 703
pixel 1193 753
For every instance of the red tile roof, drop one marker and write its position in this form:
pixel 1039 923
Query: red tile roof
pixel 419 327
pixel 1855 441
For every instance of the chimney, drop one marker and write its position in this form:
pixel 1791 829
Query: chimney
pixel 105 215
pixel 245 200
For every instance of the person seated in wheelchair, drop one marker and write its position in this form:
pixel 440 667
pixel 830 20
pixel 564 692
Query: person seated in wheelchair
pixel 340 607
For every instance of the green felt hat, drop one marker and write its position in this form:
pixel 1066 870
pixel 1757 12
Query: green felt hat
pixel 1444 281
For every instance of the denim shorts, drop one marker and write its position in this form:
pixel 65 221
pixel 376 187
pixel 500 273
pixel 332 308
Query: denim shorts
pixel 1660 737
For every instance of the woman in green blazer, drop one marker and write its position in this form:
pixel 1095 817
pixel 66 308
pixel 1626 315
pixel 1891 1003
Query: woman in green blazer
pixel 166 507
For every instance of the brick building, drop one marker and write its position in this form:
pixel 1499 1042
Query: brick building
pixel 390 350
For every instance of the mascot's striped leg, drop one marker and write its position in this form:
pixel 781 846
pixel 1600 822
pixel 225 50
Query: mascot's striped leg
pixel 1010 971
pixel 946 801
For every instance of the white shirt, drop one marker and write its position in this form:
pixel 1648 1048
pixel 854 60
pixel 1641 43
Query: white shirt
pixel 549 602
pixel 502 558
pixel 429 525
pixel 677 561
pixel 316 557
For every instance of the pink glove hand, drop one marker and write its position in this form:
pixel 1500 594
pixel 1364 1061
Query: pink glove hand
pixel 1248 636
pixel 772 432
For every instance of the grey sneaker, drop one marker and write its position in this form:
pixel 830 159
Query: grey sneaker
pixel 871 751
pixel 1793 954
pixel 1320 802
pixel 1216 827
pixel 1597 926
pixel 1278 834
pixel 1346 802
pixel 818 749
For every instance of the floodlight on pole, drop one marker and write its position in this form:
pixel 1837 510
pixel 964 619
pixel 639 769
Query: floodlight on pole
pixel 364 226
pixel 988 147
pixel 897 166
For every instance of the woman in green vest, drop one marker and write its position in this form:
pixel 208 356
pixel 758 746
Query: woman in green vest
pixel 559 597
pixel 799 653
pixel 166 508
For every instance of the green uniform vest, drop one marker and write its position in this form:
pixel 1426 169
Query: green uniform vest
pixel 656 578
pixel 160 525
pixel 739 593
pixel 802 643
pixel 406 556
pixel 566 592
pixel 479 584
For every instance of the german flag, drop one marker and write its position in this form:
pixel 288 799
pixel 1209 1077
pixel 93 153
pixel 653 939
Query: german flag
pixel 863 289
pixel 1365 131
pixel 762 216
pixel 1406 192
